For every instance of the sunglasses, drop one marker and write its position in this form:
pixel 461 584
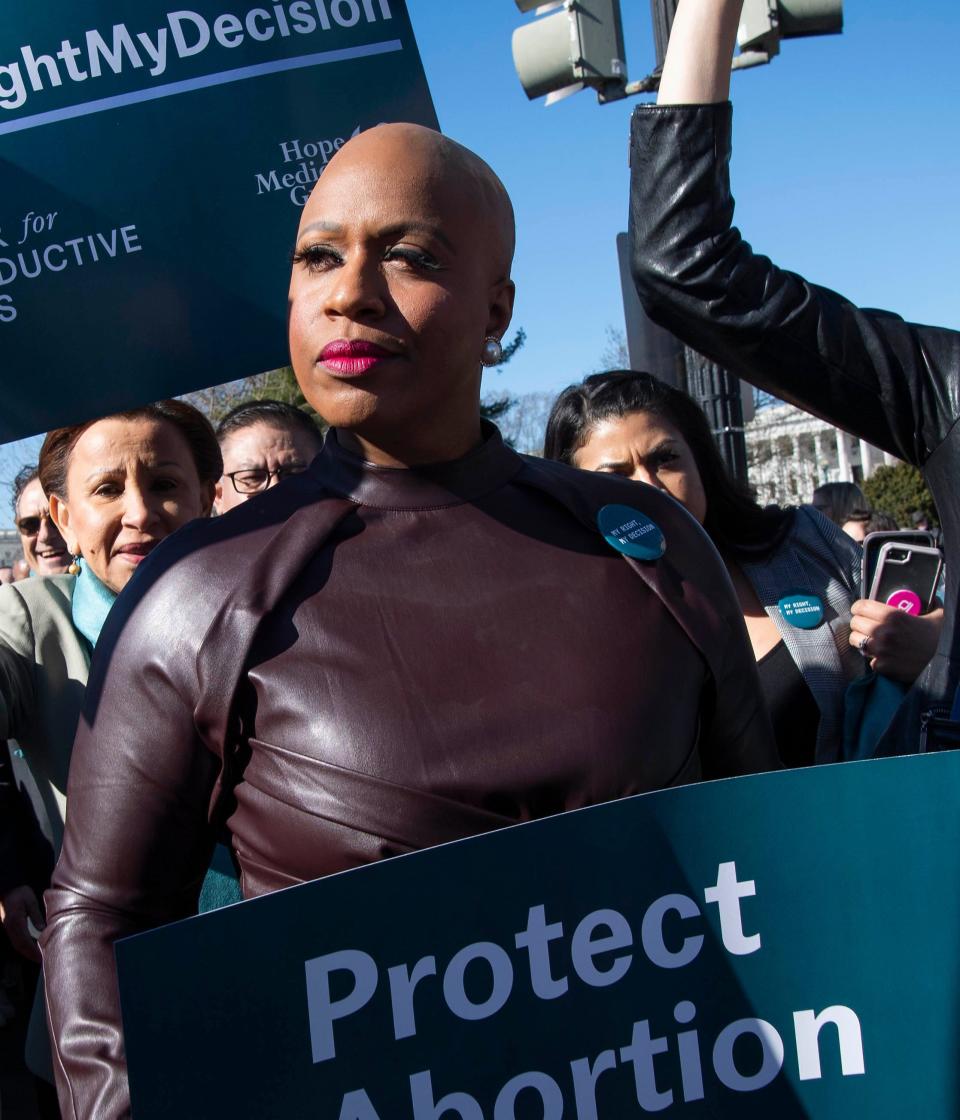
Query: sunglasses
pixel 30 526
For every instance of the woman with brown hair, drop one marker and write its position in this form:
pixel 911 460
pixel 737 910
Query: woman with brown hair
pixel 116 488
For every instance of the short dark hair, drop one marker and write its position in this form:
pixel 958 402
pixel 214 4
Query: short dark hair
pixel 880 522
pixel 734 521
pixel 267 411
pixel 21 480
pixel 841 502
pixel 189 421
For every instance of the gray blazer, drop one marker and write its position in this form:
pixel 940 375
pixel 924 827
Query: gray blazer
pixel 44 664
pixel 817 558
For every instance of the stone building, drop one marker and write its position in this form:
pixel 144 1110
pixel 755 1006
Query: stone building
pixel 790 453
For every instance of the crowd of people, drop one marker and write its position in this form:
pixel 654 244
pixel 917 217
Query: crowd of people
pixel 263 655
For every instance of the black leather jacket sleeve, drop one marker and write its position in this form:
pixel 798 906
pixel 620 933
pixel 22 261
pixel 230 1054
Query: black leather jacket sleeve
pixel 890 382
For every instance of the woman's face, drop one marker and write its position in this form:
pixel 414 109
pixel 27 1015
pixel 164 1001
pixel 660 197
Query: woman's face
pixel 857 529
pixel 391 294
pixel 130 483
pixel 649 449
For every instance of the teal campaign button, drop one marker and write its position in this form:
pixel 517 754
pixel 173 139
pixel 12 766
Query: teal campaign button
pixel 631 532
pixel 803 611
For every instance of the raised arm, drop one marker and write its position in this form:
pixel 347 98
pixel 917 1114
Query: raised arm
pixel 696 70
pixel 892 383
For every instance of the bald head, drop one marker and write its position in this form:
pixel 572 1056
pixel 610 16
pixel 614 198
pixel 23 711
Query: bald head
pixel 442 168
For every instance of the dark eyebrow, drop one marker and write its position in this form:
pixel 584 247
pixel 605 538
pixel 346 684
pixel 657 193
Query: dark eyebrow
pixel 391 231
pixel 666 443
pixel 107 472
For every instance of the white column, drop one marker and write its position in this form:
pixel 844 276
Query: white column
pixel 866 460
pixel 843 455
pixel 889 460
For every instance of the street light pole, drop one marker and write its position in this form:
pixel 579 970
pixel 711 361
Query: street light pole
pixel 718 394
pixel 662 13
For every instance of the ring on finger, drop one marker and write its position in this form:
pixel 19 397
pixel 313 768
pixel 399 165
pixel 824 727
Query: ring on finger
pixel 862 647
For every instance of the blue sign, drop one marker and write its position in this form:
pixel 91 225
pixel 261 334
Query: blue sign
pixel 155 159
pixel 775 946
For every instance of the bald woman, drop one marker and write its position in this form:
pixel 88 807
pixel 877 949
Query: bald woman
pixel 423 637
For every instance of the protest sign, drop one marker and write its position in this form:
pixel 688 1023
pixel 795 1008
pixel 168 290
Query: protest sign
pixel 775 946
pixel 154 160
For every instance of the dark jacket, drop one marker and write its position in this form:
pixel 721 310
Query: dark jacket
pixel 892 383
pixel 375 661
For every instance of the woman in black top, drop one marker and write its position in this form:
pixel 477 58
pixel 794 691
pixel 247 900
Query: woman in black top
pixel 892 383
pixel 630 424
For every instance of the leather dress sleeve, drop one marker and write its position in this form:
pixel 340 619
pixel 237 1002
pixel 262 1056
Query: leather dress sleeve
pixel 691 580
pixel 137 842
pixel 890 382
pixel 736 737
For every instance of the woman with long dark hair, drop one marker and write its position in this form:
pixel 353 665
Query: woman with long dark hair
pixel 892 383
pixel 796 574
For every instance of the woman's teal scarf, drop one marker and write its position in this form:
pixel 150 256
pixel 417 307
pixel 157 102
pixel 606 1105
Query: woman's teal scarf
pixel 92 601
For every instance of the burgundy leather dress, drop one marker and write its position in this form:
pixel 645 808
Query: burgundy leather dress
pixel 367 661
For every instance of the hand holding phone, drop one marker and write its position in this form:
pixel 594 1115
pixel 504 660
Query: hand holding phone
pixel 907 576
pixel 873 542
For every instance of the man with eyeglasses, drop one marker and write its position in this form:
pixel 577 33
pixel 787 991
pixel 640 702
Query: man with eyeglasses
pixel 43 547
pixel 262 442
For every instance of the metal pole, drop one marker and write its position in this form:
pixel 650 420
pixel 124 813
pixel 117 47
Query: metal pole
pixel 662 12
pixel 718 394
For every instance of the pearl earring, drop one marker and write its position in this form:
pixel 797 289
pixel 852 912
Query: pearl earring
pixel 492 352
pixel 74 569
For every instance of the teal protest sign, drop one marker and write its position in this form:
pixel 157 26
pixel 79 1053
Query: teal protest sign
pixel 153 161
pixel 776 946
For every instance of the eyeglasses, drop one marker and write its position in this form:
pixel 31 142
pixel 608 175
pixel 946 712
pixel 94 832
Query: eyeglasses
pixel 30 526
pixel 253 481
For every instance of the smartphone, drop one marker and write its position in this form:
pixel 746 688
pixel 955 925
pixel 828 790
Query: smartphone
pixel 907 576
pixel 873 542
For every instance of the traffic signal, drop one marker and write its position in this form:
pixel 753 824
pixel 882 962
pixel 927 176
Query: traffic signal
pixel 576 43
pixel 765 22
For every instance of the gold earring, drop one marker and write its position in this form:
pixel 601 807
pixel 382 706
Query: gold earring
pixel 74 569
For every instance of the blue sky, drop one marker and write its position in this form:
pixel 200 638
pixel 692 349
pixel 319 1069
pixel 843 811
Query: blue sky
pixel 846 166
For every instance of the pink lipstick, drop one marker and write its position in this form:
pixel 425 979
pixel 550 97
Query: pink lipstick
pixel 352 357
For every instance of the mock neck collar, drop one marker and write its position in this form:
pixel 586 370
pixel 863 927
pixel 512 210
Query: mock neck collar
pixel 481 471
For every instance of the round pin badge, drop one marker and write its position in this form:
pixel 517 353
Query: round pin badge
pixel 631 532
pixel 802 611
pixel 905 600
